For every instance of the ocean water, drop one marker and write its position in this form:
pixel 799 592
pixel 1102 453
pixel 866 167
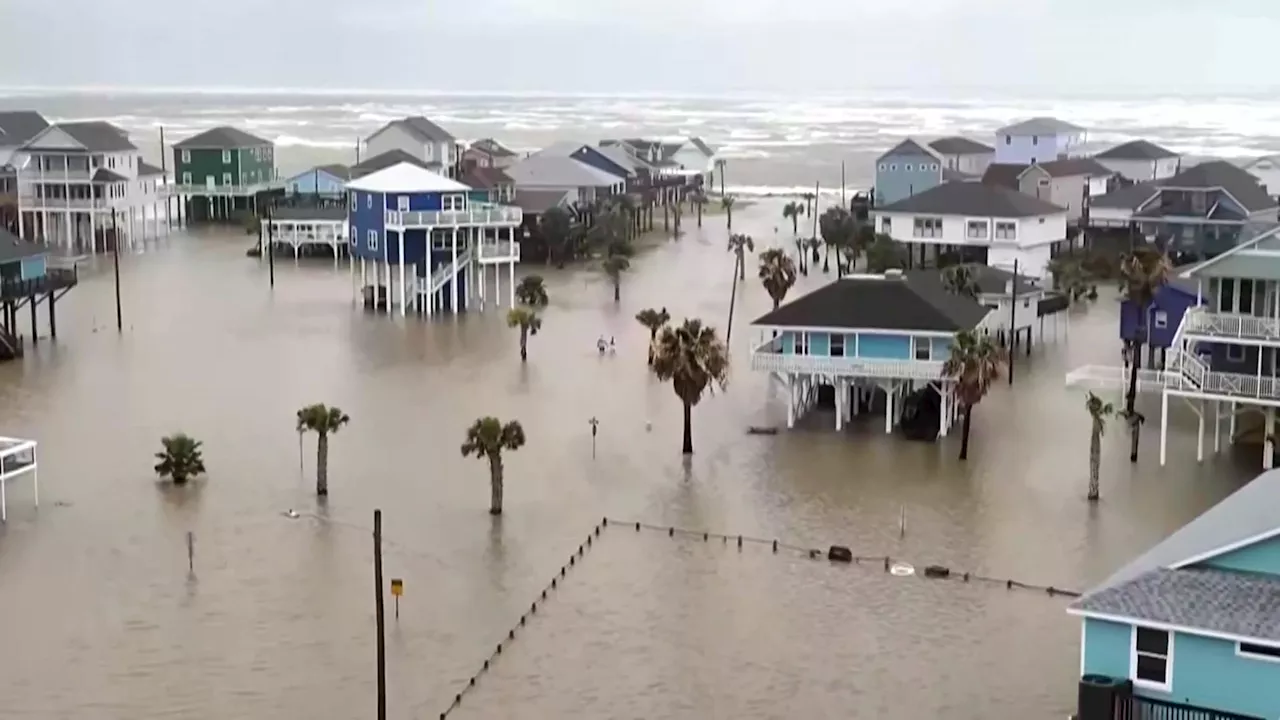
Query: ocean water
pixel 773 144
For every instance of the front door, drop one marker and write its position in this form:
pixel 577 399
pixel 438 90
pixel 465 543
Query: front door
pixel 210 182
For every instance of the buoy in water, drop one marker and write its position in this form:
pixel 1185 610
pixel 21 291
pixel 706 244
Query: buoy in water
pixel 902 570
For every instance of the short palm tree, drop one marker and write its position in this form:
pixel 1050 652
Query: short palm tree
pixel 739 245
pixel 614 266
pixel 487 439
pixel 1099 411
pixel 792 211
pixel 1142 273
pixel 180 458
pixel 653 320
pixel 838 230
pixel 813 244
pixel 323 421
pixel 695 361
pixel 532 291
pixel 961 280
pixel 777 274
pixel 529 322
pixel 975 364
pixel 883 253
pixel 727 202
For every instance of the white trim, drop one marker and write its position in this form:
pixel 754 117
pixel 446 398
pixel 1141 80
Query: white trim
pixel 866 331
pixel 1228 548
pixel 1248 244
pixel 1251 656
pixel 1084 636
pixel 1167 685
pixel 1156 624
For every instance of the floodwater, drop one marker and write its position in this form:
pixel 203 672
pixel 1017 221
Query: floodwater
pixel 99 618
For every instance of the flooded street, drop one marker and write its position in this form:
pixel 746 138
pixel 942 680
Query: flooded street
pixel 99 618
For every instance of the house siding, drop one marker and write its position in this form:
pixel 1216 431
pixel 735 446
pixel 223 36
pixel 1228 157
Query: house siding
pixel 872 346
pixel 895 182
pixel 1169 300
pixel 1030 149
pixel 33 267
pixel 308 182
pixel 256 168
pixel 1206 671
pixel 1261 557
pixel 205 164
pixel 367 213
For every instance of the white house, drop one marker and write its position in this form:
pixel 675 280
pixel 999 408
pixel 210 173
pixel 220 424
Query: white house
pixel 1141 161
pixel 78 180
pixel 420 138
pixel 963 155
pixel 1267 170
pixel 1000 225
pixel 1039 139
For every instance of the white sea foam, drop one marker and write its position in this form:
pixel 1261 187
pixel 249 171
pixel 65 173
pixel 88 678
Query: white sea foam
pixel 294 141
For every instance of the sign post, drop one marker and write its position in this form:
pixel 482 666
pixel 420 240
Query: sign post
pixel 397 589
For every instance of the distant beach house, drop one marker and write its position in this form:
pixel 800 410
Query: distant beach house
pixel 1191 628
pixel 691 156
pixel 1141 161
pixel 420 241
pixel 1017 307
pixel 323 180
pixel 74 178
pixel 907 169
pixel 551 172
pixel 1068 183
pixel 419 137
pixel 16 128
pixel 1164 316
pixel 986 224
pixel 866 334
pixel 489 153
pixel 26 277
pixel 221 170
pixel 1267 171
pixel 1039 139
pixel 487 183
pixel 536 202
pixel 382 161
pixel 1200 211
pixel 962 155
pixel 612 160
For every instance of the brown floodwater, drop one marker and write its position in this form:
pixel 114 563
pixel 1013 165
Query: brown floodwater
pixel 99 618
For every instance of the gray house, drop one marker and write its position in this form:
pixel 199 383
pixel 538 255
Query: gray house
pixel 550 172
pixel 420 138
pixel 1067 183
pixel 962 155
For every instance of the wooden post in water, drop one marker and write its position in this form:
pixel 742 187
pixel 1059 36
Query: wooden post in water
pixel 191 552
pixel 379 615
pixel 1013 317
pixel 115 264
pixel 271 248
pixel 733 296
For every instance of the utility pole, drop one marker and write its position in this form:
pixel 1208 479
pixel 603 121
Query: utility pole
pixel 377 597
pixel 733 296
pixel 271 248
pixel 1013 318
pixel 115 262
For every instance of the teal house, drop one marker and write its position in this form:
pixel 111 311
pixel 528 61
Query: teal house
pixel 865 336
pixel 1191 629
pixel 909 168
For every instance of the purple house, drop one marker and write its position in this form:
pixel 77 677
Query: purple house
pixel 1165 313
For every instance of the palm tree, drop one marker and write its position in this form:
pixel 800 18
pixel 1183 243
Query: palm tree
pixel 527 319
pixel 180 458
pixel 975 363
pixel 800 256
pixel 777 274
pixel 654 320
pixel 838 230
pixel 532 291
pixel 699 200
pixel 1099 411
pixel 814 243
pixel 614 266
pixel 727 202
pixel 694 359
pixel 792 211
pixel 487 439
pixel 961 280
pixel 323 421
pixel 739 245
pixel 809 199
pixel 1142 273
pixel 883 253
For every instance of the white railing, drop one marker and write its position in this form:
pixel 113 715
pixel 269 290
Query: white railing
pixel 30 203
pixel 57 175
pixel 219 190
pixel 1114 377
pixel 444 273
pixel 847 366
pixel 475 215
pixel 498 251
pixel 1199 321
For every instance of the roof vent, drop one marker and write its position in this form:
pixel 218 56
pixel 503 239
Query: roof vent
pixel 893 273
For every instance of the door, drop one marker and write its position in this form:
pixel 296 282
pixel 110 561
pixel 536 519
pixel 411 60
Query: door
pixel 210 182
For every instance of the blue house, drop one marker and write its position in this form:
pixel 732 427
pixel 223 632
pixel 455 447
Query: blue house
pixel 421 241
pixel 866 334
pixel 1165 314
pixel 27 280
pixel 907 169
pixel 324 180
pixel 1191 629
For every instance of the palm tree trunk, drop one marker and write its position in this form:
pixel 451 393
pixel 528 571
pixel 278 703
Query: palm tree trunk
pixel 687 447
pixel 826 259
pixel 495 486
pixel 964 433
pixel 742 265
pixel 1095 460
pixel 653 336
pixel 795 225
pixel 666 219
pixel 524 344
pixel 322 465
pixel 1135 428
pixel 728 218
pixel 617 290
pixel 699 214
pixel 1135 433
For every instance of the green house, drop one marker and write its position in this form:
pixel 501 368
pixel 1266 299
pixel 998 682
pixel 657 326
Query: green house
pixel 221 170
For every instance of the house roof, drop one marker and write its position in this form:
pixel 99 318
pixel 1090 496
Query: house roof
pixel 309 213
pixel 103 175
pixel 1042 125
pixel 1136 150
pixel 19 126
pixel 383 161
pixel 492 148
pixel 334 170
pixel 1221 174
pixel 223 137
pixel 405 178
pixel 907 147
pixel 422 128
pixel 1245 605
pixel 554 171
pixel 13 248
pixel 146 169
pixel 890 302
pixel 1251 235
pixel 1004 174
pixel 957 145
pixel 1129 197
pixel 949 175
pixel 702 146
pixel 1072 167
pixel 536 202
pixel 485 178
pixel 92 135
pixel 976 199
pixel 622 158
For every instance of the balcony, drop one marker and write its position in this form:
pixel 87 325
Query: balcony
pixel 222 190
pixel 846 366
pixel 1199 321
pixel 60 203
pixel 476 215
pixel 53 280
pixel 498 251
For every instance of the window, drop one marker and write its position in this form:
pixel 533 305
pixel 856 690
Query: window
pixel 1008 139
pixel 1006 230
pixel 1149 665
pixel 226 157
pixel 1035 139
pixel 907 167
pixel 402 203
pixel 186 178
pixel 1162 319
pixel 226 178
pixel 372 242
pixel 453 202
pixel 927 227
pixel 368 201
pixel 893 167
pixel 186 156
pixel 933 166
pixel 1043 182
pixel 802 343
pixel 921 350
pixel 1258 652
pixel 837 345
pixel 977 229
pixel 886 226
pixel 1235 353
pixel 1246 296
pixel 353 235
pixel 883 167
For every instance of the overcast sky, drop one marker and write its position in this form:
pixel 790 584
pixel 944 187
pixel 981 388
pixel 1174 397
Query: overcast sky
pixel 646 46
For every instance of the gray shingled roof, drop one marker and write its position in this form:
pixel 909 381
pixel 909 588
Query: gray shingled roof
pixel 1040 126
pixel 13 248
pixel 1004 174
pixel 957 145
pixel 904 302
pixel 536 202
pixel 975 199
pixel 908 147
pixel 555 172
pixel 1221 174
pixel 96 136
pixel 426 130
pixel 19 126
pixel 103 175
pixel 146 169
pixel 336 170
pixel 1136 150
pixel 1224 601
pixel 1070 167
pixel 1128 197
pixel 704 148
pixel 382 161
pixel 221 138
pixel 492 148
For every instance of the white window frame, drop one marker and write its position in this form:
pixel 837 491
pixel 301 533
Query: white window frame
pixel 926 227
pixel 886 225
pixel 801 344
pixel 1241 652
pixel 977 229
pixel 1167 685
pixel 884 167
pixel 226 157
pixel 453 203
pixel 186 156
pixel 186 178
pixel 351 199
pixel 371 240
pixel 368 201
pixel 1235 353
pixel 907 167
pixel 226 179
pixel 893 167
pixel 1005 231
pixel 354 235
pixel 834 340
pixel 402 203
pixel 917 343
pixel 1161 319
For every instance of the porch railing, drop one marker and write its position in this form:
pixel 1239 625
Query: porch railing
pixel 54 279
pixel 480 215
pixel 1136 707
pixel 847 366
pixel 1199 321
pixel 498 251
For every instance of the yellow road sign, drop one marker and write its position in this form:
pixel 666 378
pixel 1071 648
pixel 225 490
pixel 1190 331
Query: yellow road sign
pixel 397 587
